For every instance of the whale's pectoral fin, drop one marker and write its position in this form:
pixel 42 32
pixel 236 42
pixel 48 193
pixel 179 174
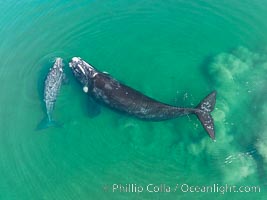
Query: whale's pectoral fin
pixel 94 109
pixel 203 113
pixel 65 80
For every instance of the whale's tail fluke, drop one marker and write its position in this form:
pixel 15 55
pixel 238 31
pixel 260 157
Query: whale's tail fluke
pixel 46 123
pixel 203 111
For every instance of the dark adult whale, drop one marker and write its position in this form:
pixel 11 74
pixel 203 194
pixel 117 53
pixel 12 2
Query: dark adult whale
pixel 105 89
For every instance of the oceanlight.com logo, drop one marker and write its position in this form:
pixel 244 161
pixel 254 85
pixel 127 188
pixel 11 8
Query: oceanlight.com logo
pixel 216 188
pixel 182 188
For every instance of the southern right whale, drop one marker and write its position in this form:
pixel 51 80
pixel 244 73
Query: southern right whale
pixel 52 87
pixel 110 92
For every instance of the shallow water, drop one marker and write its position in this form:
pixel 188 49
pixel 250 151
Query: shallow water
pixel 174 51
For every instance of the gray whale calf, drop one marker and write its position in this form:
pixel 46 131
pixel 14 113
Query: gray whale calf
pixel 110 92
pixel 52 87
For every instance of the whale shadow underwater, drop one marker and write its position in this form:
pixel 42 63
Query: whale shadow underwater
pixel 107 91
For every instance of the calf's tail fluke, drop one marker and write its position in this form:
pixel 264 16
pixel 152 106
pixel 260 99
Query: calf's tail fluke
pixel 203 111
pixel 47 123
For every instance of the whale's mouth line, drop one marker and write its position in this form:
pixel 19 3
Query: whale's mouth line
pixel 83 71
pixel 74 60
pixel 84 67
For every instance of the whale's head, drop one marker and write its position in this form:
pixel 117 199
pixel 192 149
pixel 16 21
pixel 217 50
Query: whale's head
pixel 58 64
pixel 83 72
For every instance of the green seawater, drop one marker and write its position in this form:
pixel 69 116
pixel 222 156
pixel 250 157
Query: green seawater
pixel 176 51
